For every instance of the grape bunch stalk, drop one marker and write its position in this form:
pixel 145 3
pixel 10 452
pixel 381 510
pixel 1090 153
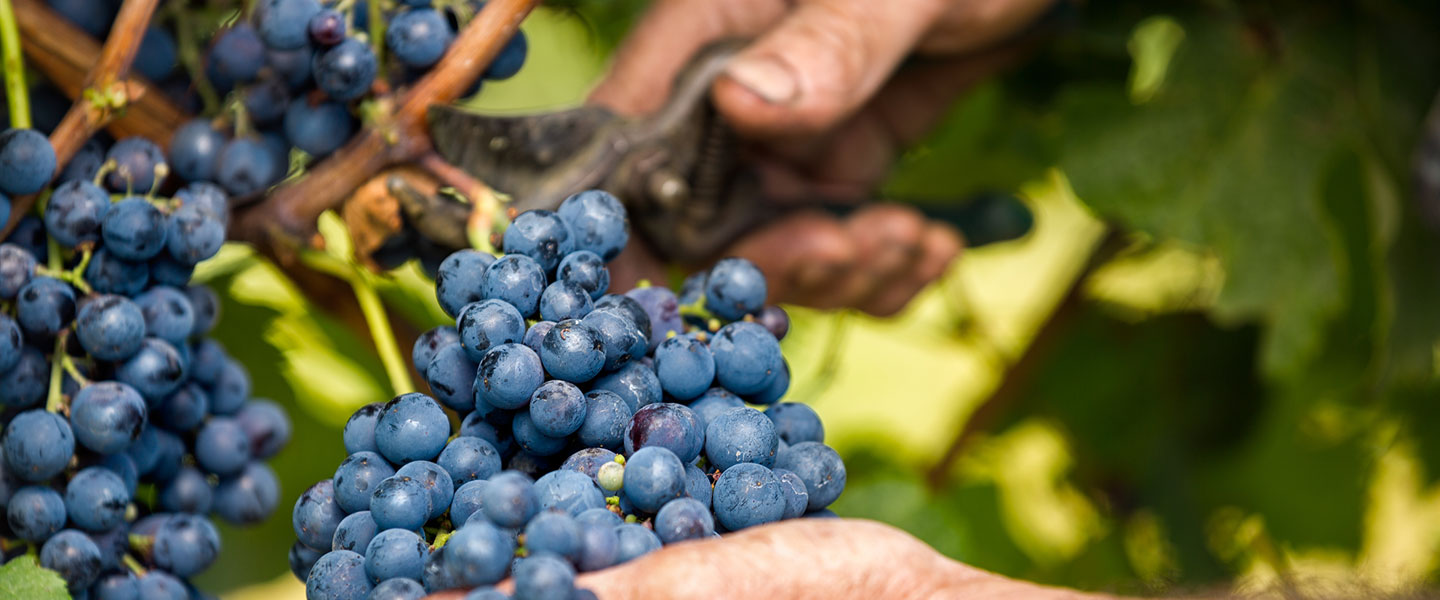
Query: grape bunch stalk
pixel 593 427
pixel 124 426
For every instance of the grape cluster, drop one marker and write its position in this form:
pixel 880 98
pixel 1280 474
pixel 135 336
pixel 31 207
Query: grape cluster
pixel 592 427
pixel 123 425
pixel 298 71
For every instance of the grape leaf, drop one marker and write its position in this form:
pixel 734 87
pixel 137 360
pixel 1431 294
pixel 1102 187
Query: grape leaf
pixel 25 578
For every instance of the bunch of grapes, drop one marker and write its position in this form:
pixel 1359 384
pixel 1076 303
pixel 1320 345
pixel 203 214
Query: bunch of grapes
pixel 123 425
pixel 296 74
pixel 593 427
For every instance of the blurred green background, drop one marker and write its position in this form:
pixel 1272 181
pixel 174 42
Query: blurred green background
pixel 1212 364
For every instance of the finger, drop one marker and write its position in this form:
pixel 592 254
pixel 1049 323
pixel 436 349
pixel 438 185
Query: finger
pixel 886 238
pixel 939 247
pixel 797 252
pixel 975 24
pixel 666 38
pixel 819 64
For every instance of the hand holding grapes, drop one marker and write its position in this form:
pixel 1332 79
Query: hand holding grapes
pixel 818 94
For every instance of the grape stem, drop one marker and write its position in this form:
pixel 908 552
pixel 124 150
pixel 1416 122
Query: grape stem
pixel 55 401
pixel 16 93
pixel 134 565
pixel 379 324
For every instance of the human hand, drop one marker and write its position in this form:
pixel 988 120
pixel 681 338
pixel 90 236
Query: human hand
pixel 835 559
pixel 819 96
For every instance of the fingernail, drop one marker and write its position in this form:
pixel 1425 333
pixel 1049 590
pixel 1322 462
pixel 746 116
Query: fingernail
pixel 766 77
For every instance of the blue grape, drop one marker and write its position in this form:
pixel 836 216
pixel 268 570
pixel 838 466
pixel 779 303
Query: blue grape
pixel 157 55
pixel 478 554
pixel 222 447
pixel 44 307
pixel 663 308
pixel 17 266
pixel 237 54
pixel 775 388
pixel 317 514
pixel 775 320
pixel 451 375
pixel 29 234
pixel 571 492
pixel 460 280
pixel 635 541
pixel 475 425
pixel 564 300
pixel 110 327
pixel 510 59
pixel 573 351
pixel 683 519
pixel 588 461
pixel 746 495
pixel 746 357
pixel 535 336
pixel 684 366
pixel 517 279
pixel 35 513
pixel 668 425
pixel 436 481
pixel 208 197
pixel 509 500
pixel 698 484
pixel 529 437
pixel 318 129
pixel 116 586
pixel 188 492
pixel 193 235
pixel 630 308
pixel 246 167
pixel 327 27
pixel 75 211
pixel 110 274
pixel 74 556
pixel 430 343
pixel 653 476
pixel 355 532
pixel 734 288
pixel 418 37
pixel 402 588
pixel 183 410
pixel 266 425
pixel 91 16
pixel 38 445
pixel 133 229
pixel 466 501
pixel 508 375
pixel 819 467
pixel 400 503
pixel 168 314
pixel 796 496
pixel 11 342
pixel 107 416
pixel 25 384
pixel 207 309
pixel 338 575
pixel 606 415
pixel 587 270
pixel 740 435
pixel 186 544
pixel 795 423
pixel 265 103
pixel 395 553
pixel 96 499
pixel 194 150
pixel 293 66
pixel 542 235
pixel 4 209
pixel 488 323
pixel 359 431
pixel 597 219
pixel 165 270
pixel 284 23
pixel 356 479
pixel 712 403
pixel 544 577
pixel 145 451
pixel 302 558
pixel 231 389
pixel 27 161
pixel 345 71
pixel 599 516
pixel 469 459
pixel 557 408
pixel 413 427
pixel 169 452
pixel 599 546
pixel 135 158
pixel 554 532
pixel 635 383
pixel 85 164
pixel 622 339
pixel 436 577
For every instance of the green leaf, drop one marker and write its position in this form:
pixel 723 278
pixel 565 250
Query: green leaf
pixel 24 578
pixel 336 236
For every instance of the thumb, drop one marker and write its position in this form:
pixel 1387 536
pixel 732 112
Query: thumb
pixel 820 64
